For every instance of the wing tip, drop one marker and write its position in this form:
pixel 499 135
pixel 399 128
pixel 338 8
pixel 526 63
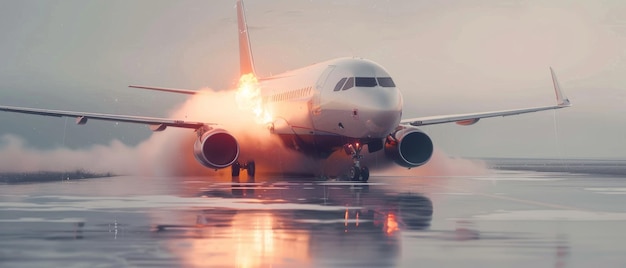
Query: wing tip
pixel 561 99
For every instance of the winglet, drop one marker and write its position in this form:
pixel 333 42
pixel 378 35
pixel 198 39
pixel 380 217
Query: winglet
pixel 246 62
pixel 561 99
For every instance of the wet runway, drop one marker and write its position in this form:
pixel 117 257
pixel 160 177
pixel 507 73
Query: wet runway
pixel 502 219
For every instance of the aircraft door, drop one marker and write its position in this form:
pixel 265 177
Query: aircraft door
pixel 316 103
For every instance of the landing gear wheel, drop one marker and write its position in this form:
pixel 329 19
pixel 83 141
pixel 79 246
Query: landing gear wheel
pixel 365 174
pixel 251 168
pixel 355 173
pixel 235 168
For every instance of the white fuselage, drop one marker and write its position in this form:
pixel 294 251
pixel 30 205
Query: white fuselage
pixel 310 109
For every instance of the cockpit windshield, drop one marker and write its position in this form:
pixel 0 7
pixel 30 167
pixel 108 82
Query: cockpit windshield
pixel 340 84
pixel 350 82
pixel 365 82
pixel 386 82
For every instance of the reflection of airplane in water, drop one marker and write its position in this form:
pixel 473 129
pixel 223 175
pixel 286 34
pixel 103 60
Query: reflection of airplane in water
pixel 343 104
pixel 362 205
pixel 324 224
pixel 306 222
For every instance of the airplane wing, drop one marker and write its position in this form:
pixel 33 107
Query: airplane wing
pixel 173 90
pixel 155 124
pixel 471 118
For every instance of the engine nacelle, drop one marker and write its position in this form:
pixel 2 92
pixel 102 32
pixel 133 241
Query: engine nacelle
pixel 409 147
pixel 216 149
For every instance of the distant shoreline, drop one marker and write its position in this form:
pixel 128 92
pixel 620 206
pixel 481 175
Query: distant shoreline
pixel 49 176
pixel 585 166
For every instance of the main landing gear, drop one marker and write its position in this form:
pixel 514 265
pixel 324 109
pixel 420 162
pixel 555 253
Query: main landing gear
pixel 357 172
pixel 250 168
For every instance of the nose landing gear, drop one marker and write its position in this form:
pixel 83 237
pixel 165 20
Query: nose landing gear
pixel 357 172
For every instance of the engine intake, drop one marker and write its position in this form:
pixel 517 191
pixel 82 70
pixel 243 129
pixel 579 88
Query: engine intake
pixel 216 149
pixel 409 147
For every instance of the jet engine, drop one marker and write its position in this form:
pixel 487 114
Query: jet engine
pixel 409 147
pixel 216 148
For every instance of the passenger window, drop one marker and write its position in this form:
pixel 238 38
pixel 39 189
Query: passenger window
pixel 349 84
pixel 365 82
pixel 340 84
pixel 386 82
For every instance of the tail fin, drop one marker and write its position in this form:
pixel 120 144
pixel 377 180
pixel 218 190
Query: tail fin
pixel 246 62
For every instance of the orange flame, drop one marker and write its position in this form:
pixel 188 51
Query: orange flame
pixel 248 97
pixel 391 224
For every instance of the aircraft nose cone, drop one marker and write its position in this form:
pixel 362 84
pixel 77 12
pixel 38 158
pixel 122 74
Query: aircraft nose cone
pixel 382 122
pixel 382 112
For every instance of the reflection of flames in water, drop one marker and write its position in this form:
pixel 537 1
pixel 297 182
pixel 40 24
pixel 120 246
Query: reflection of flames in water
pixel 249 98
pixel 391 224
pixel 252 240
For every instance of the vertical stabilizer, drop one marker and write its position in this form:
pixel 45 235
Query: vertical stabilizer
pixel 246 62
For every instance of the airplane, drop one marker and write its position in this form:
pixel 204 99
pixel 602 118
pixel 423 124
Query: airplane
pixel 342 104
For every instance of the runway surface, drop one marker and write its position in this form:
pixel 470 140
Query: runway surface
pixel 503 219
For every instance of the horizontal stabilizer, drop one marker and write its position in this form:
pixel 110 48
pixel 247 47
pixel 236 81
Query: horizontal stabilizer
pixel 173 90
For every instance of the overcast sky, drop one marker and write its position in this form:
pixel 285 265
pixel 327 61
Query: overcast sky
pixel 446 56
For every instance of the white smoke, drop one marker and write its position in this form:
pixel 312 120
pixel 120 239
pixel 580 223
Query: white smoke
pixel 440 164
pixel 17 156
